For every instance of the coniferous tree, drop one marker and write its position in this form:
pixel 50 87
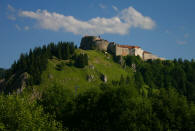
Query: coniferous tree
pixel 35 61
pixel 86 59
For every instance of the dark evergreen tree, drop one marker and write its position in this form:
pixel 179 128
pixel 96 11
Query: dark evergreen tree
pixel 35 62
pixel 2 73
pixel 81 60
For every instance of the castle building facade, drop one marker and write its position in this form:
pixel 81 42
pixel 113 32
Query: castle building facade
pixel 96 43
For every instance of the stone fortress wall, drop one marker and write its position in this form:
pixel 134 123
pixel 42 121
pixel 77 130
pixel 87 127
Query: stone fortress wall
pixel 102 45
pixel 96 43
pixel 122 51
pixel 150 56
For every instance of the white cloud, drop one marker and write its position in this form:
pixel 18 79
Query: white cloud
pixel 115 8
pixel 167 31
pixel 186 35
pixel 11 17
pixel 102 6
pixel 119 24
pixel 181 42
pixel 18 27
pixel 136 19
pixel 26 27
pixel 10 8
pixel 10 12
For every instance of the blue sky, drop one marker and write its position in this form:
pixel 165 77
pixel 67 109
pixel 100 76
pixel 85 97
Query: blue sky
pixel 163 27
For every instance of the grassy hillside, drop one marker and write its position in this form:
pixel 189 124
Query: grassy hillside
pixel 72 77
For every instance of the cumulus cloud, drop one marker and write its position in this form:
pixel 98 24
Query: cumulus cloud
pixel 102 6
pixel 119 24
pixel 167 31
pixel 11 17
pixel 136 19
pixel 10 12
pixel 18 27
pixel 10 8
pixel 115 8
pixel 186 35
pixel 181 42
pixel 26 27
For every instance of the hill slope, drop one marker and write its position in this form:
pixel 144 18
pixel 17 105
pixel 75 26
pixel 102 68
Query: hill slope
pixel 100 64
pixel 158 96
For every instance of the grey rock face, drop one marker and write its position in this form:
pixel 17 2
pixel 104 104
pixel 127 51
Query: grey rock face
pixel 104 78
pixel 90 78
pixel 50 76
pixel 24 78
pixel 91 67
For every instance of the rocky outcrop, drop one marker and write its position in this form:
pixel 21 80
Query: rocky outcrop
pixel 17 82
pixel 50 76
pixel 23 82
pixel 2 83
pixel 90 78
pixel 91 67
pixel 104 78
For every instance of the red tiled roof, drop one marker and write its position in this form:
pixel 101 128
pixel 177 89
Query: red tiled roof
pixel 127 46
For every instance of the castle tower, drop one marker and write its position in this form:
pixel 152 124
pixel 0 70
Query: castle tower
pixel 94 42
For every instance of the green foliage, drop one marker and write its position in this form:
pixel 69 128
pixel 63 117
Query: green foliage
pixel 128 103
pixel 71 76
pixel 118 59
pixel 139 102
pixel 60 66
pixel 35 62
pixel 17 113
pixel 81 60
pixel 58 101
pixel 119 107
pixel 177 74
pixel 2 73
pixel 129 60
pixel 173 111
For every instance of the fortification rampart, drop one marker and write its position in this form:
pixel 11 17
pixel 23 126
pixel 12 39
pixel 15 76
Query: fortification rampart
pixel 102 45
pixel 120 51
pixel 96 43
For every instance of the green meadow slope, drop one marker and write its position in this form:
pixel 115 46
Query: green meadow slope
pixel 72 77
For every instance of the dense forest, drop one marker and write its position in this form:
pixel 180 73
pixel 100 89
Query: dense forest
pixel 160 95
pixel 2 73
pixel 35 61
pixel 117 106
pixel 178 74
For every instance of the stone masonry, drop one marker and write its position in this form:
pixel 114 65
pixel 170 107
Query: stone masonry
pixel 96 43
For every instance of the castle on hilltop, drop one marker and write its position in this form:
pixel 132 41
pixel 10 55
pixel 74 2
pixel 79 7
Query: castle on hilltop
pixel 97 43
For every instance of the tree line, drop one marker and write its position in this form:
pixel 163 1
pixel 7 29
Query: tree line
pixel 81 60
pixel 177 73
pixel 120 105
pixel 35 62
pixel 2 73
